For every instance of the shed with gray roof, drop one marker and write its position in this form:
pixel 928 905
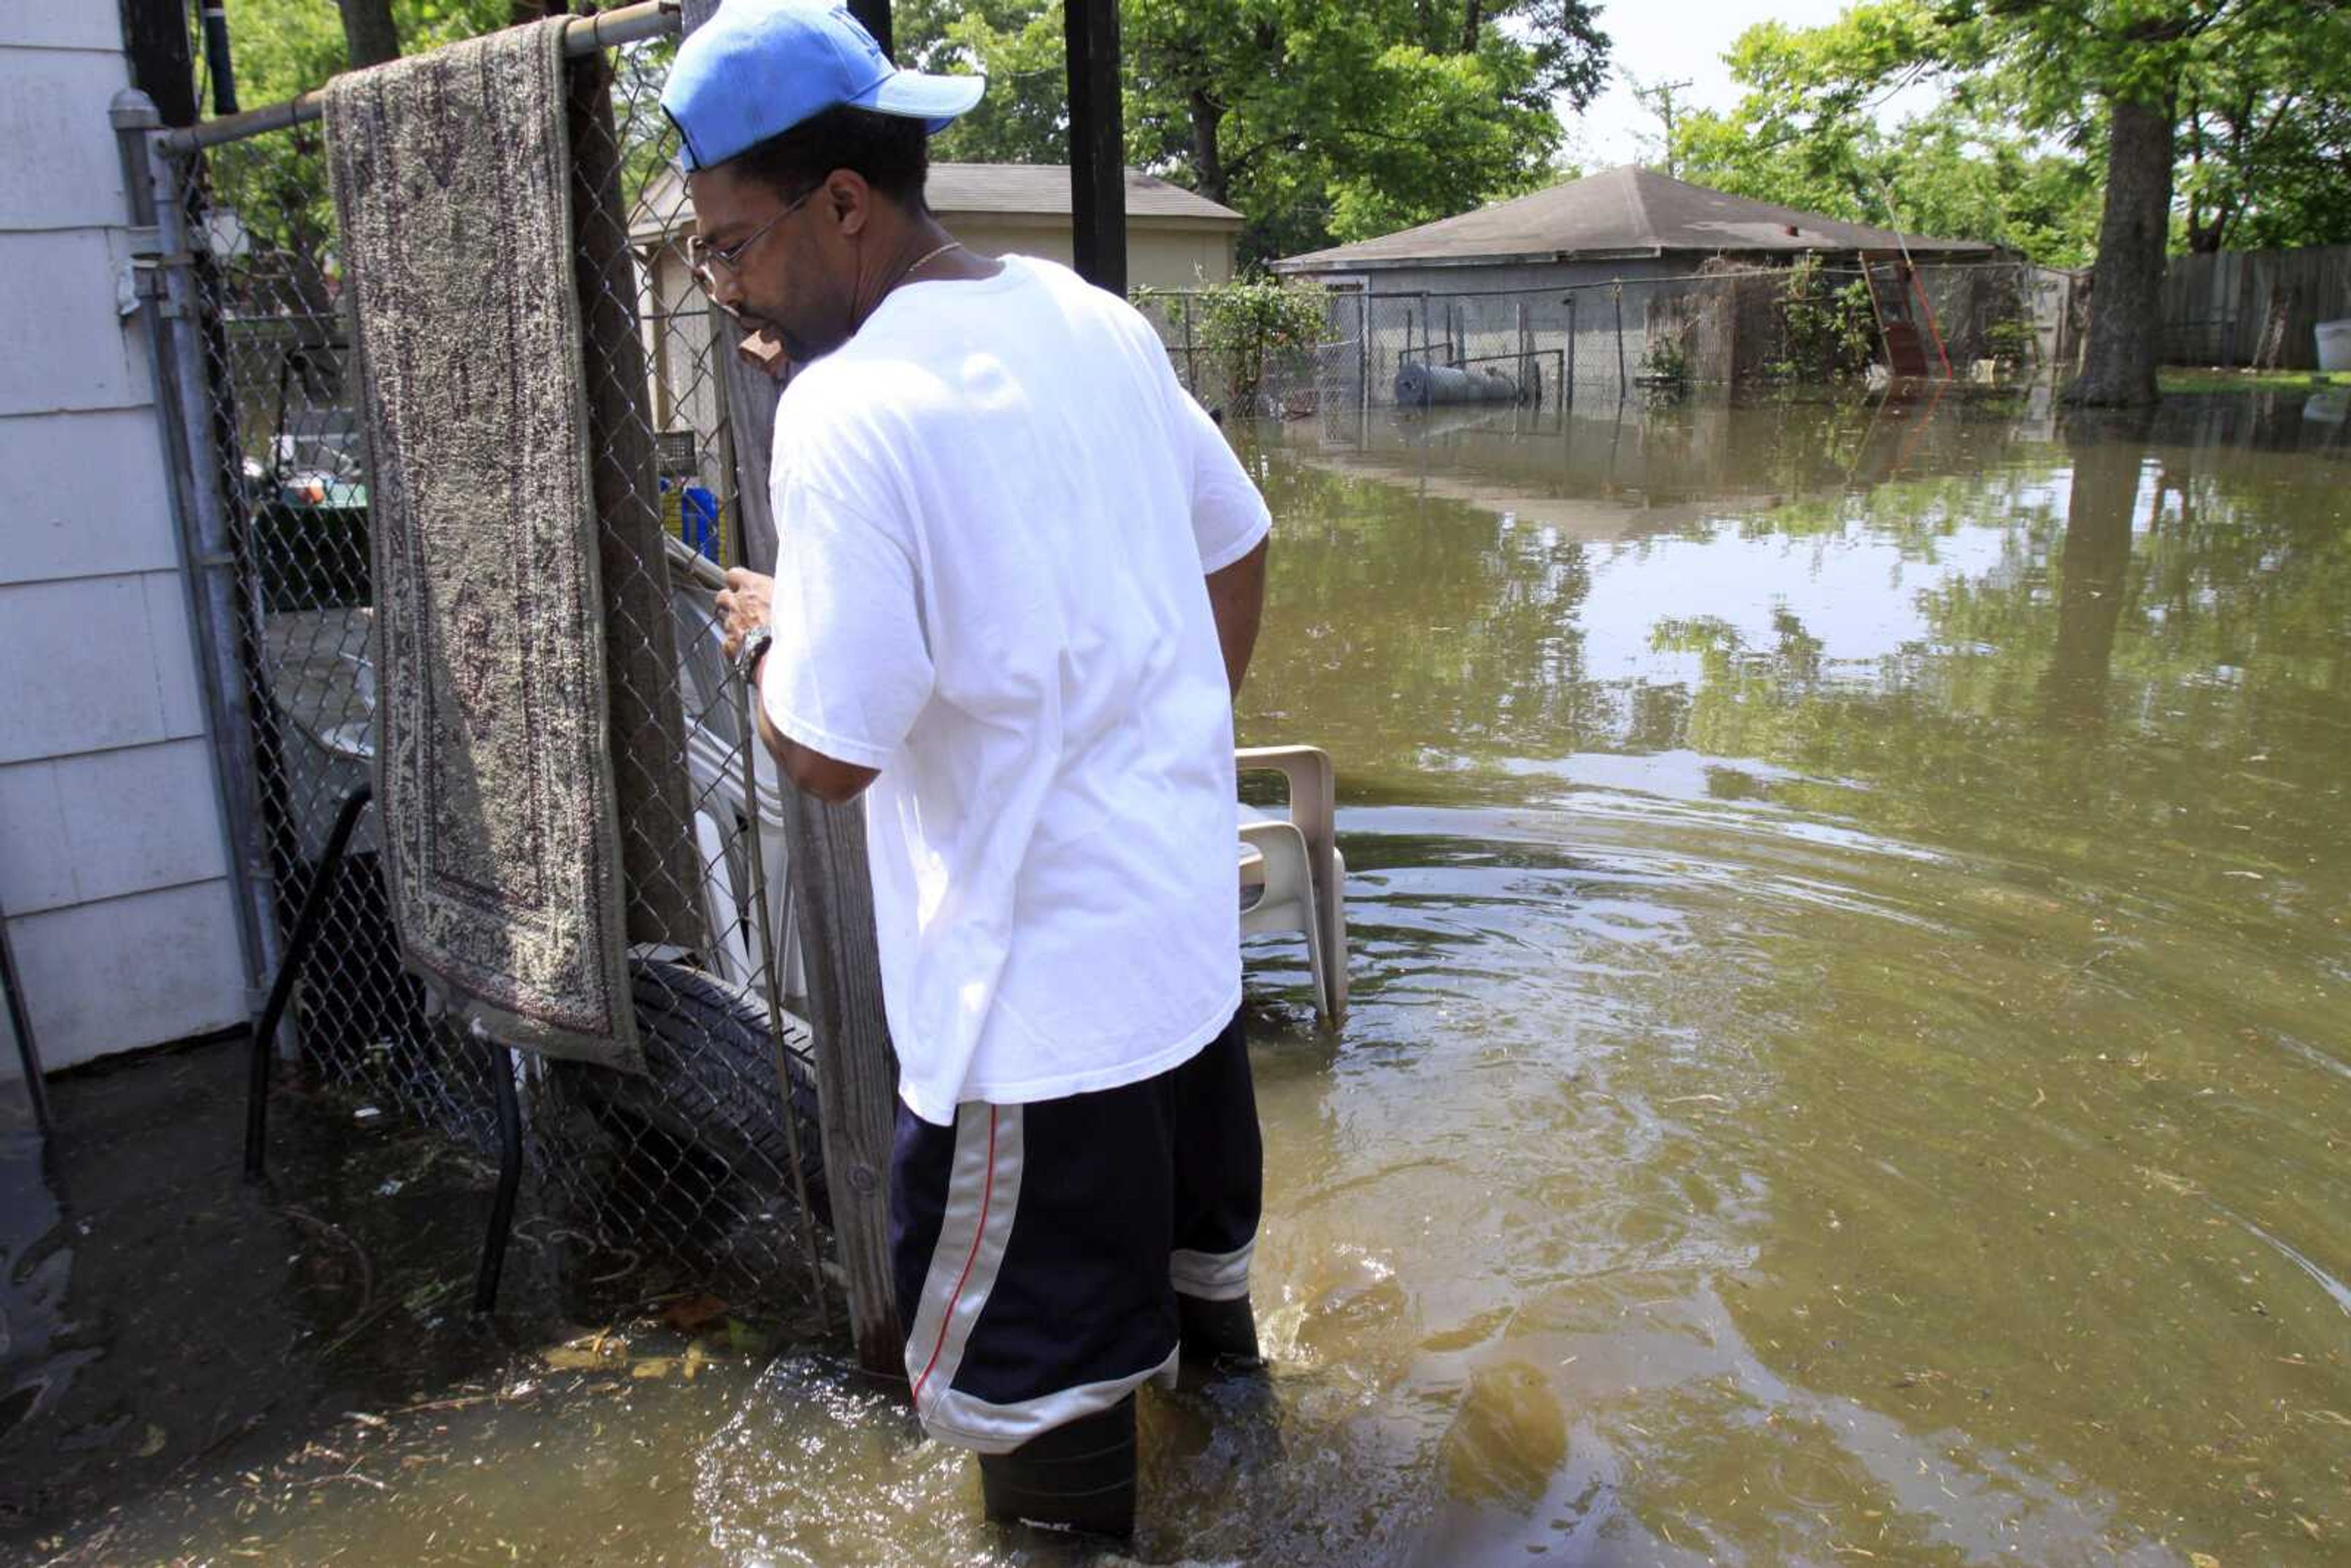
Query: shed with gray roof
pixel 1581 278
pixel 1605 221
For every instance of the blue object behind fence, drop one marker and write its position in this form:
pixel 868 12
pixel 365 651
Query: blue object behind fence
pixel 698 519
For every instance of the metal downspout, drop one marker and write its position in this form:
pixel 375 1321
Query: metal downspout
pixel 207 553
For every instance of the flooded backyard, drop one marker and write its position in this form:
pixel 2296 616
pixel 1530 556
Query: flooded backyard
pixel 1850 1061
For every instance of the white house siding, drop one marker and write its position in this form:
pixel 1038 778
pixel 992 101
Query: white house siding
pixel 112 866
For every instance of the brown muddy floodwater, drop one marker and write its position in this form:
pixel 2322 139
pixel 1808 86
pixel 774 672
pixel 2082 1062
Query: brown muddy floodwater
pixel 1852 925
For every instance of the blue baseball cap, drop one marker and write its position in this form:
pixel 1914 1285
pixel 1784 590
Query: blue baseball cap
pixel 760 66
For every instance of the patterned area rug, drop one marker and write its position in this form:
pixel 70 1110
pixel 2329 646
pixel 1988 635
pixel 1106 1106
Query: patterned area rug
pixel 450 175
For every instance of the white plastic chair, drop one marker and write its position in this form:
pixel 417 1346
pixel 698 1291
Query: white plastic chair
pixel 1292 863
pixel 1295 864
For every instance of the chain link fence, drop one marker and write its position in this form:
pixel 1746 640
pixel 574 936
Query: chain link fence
pixel 1726 325
pixel 682 1177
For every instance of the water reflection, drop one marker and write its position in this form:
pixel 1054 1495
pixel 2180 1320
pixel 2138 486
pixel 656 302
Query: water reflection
pixel 1847 1058
pixel 1853 909
pixel 2093 564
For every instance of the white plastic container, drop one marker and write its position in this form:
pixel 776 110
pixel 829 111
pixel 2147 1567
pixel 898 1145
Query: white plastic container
pixel 2335 345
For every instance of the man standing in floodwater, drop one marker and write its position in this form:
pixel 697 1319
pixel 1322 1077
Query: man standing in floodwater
pixel 1019 580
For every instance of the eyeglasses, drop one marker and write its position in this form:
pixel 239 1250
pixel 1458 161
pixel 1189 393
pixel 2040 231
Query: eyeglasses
pixel 705 258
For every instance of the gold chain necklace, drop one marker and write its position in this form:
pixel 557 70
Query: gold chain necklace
pixel 902 274
pixel 924 259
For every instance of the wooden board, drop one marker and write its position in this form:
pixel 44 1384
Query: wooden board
pixel 857 1070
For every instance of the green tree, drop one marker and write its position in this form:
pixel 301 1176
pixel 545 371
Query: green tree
pixel 1023 118
pixel 2259 84
pixel 274 187
pixel 1805 133
pixel 2133 62
pixel 2265 142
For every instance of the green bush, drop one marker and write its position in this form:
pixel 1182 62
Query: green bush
pixel 1249 326
pixel 2010 342
pixel 1832 331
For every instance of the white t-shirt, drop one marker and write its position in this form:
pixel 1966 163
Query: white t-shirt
pixel 996 509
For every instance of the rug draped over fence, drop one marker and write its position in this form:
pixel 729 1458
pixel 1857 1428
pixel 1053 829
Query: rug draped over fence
pixel 502 838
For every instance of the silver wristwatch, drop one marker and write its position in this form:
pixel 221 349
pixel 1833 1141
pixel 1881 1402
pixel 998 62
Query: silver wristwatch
pixel 755 644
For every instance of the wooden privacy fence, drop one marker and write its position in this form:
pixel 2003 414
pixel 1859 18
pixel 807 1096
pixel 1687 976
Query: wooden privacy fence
pixel 2254 307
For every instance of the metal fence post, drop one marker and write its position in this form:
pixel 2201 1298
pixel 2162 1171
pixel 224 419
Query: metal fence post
pixel 20 1024
pixel 1624 383
pixel 1191 363
pixel 196 448
pixel 1363 347
pixel 1567 380
pixel 1525 351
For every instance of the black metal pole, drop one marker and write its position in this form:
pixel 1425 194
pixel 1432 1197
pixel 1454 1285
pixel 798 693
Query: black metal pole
pixel 20 1024
pixel 155 41
pixel 1097 144
pixel 875 16
pixel 289 969
pixel 1363 347
pixel 1623 385
pixel 216 58
pixel 1567 379
pixel 502 1205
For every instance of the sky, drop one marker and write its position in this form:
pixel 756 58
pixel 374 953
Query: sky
pixel 1673 40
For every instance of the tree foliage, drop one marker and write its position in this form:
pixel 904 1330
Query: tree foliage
pixel 2266 141
pixel 1806 134
pixel 289 46
pixel 1318 122
pixel 2016 149
pixel 274 187
pixel 2249 93
pixel 1017 44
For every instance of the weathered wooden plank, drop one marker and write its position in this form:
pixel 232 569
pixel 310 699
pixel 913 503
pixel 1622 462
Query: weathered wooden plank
pixel 2236 292
pixel 857 1070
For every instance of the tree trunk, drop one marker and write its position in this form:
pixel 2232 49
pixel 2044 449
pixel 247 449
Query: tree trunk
pixel 369 36
pixel 2126 281
pixel 1208 176
pixel 2093 564
pixel 1471 16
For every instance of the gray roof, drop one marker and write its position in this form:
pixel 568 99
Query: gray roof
pixel 1009 189
pixel 1624 212
pixel 1043 190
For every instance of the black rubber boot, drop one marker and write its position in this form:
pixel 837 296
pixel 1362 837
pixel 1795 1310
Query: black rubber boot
pixel 1076 1477
pixel 1218 1335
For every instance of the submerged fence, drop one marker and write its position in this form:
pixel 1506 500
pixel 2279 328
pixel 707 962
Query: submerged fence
pixel 684 1176
pixel 1721 326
